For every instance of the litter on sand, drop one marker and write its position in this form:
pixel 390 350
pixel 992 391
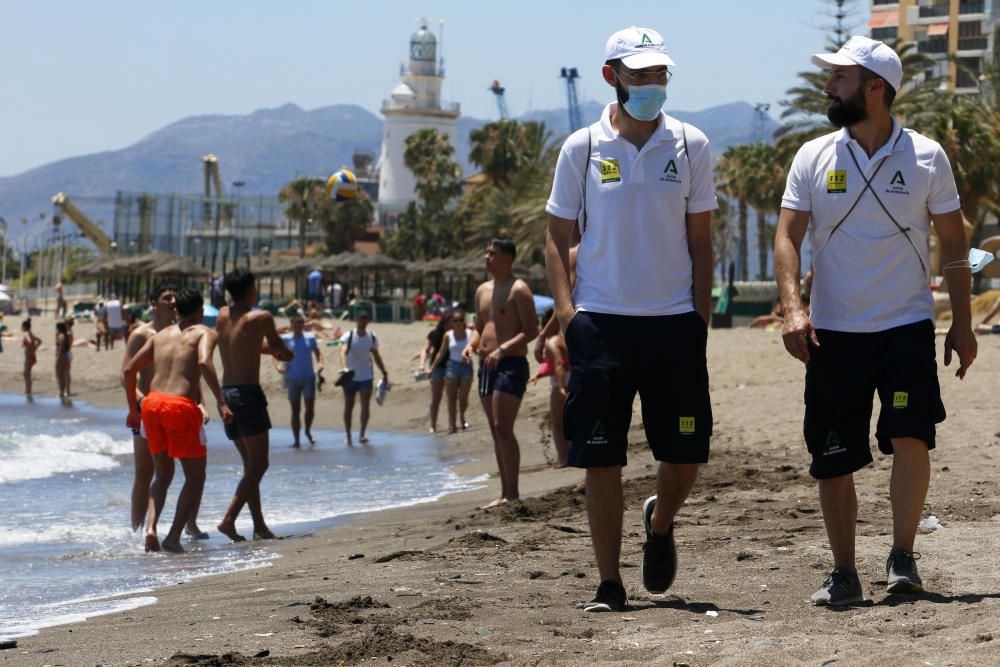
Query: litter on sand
pixel 930 523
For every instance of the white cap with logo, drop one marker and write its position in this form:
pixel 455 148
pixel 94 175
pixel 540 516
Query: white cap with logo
pixel 868 53
pixel 637 48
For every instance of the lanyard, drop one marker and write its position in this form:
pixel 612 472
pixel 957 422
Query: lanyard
pixel 905 231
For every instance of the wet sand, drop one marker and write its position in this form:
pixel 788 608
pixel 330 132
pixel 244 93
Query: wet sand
pixel 449 584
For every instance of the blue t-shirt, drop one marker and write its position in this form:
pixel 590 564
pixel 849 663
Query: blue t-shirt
pixel 315 284
pixel 301 365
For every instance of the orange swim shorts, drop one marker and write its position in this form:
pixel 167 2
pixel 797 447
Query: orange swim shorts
pixel 173 425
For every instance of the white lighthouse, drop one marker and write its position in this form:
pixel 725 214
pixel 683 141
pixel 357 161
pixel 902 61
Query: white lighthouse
pixel 414 104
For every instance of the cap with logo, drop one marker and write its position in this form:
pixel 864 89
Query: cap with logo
pixel 637 48
pixel 868 53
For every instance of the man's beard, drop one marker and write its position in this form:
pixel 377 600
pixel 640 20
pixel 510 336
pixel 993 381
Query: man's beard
pixel 848 112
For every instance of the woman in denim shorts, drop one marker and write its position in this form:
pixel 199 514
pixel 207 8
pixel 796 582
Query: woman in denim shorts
pixel 435 341
pixel 458 376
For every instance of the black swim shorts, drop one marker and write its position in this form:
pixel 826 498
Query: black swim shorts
pixel 249 407
pixel 138 431
pixel 842 376
pixel 663 359
pixel 509 377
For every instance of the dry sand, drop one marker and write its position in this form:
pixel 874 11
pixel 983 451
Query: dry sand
pixel 448 584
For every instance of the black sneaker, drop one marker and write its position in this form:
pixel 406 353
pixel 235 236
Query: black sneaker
pixel 841 587
pixel 610 597
pixel 901 573
pixel 659 553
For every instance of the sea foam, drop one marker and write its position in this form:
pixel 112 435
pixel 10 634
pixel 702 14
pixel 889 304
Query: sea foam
pixel 26 456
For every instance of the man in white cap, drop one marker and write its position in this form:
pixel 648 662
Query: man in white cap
pixel 872 190
pixel 637 185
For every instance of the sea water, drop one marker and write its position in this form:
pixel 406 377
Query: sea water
pixel 66 549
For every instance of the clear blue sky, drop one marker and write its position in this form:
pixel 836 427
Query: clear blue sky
pixel 81 77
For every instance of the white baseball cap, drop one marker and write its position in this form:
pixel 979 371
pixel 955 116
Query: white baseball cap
pixel 870 54
pixel 637 48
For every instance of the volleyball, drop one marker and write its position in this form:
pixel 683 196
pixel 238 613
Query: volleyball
pixel 342 185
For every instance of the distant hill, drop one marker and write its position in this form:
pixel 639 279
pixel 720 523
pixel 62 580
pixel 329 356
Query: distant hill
pixel 266 149
pixel 725 125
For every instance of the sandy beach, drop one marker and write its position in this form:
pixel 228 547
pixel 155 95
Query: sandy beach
pixel 448 584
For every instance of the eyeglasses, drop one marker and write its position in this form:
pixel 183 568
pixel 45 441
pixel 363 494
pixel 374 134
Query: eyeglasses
pixel 458 321
pixel 643 77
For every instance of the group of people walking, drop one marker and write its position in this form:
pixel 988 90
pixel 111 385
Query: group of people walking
pixel 636 189
pixel 165 362
pixel 629 260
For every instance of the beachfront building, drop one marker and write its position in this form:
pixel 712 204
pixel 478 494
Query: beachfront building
pixel 415 103
pixel 956 34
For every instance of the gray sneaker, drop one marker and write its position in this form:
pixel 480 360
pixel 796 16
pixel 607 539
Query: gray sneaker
pixel 842 587
pixel 901 573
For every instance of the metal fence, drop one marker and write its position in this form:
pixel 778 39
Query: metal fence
pixel 196 226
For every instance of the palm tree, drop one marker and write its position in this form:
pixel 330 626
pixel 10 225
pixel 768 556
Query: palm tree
pixel 724 237
pixel 968 132
pixel 348 223
pixel 429 155
pixel 517 160
pixel 736 182
pixel 306 203
pixel 805 108
pixel 767 174
pixel 428 228
pixel 968 129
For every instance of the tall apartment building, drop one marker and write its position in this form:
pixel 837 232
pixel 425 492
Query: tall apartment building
pixel 941 28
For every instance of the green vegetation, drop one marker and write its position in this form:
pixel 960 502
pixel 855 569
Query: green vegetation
pixel 752 176
pixel 506 199
pixel 308 205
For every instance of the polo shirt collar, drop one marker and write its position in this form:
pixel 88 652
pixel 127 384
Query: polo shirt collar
pixel 661 134
pixel 844 137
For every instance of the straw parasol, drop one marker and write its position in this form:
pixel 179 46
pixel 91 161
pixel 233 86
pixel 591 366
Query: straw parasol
pixel 337 262
pixel 181 266
pixel 99 268
pixel 376 262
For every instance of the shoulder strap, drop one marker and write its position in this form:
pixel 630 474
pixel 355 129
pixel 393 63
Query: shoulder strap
pixel 684 137
pixel 586 170
pixel 350 339
pixel 687 156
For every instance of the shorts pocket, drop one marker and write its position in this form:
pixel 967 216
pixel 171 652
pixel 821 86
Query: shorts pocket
pixel 573 326
pixel 585 414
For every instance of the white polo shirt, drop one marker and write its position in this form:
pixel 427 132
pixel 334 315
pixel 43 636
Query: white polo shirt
pixel 633 257
pixel 867 275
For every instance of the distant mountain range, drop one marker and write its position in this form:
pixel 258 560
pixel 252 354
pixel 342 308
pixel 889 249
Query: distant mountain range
pixel 265 149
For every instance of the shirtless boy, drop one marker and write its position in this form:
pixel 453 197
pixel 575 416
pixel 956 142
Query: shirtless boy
pixel 243 331
pixel 505 324
pixel 181 354
pixel 161 311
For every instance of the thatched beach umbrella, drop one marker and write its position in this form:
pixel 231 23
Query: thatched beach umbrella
pixel 337 262
pixel 181 266
pixel 97 269
pixel 375 263
pixel 181 269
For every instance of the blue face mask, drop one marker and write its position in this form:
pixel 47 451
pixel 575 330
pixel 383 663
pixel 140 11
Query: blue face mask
pixel 645 102
pixel 978 259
